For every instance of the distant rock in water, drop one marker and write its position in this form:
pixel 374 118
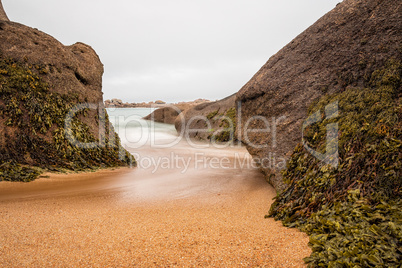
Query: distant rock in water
pixel 215 121
pixel 169 112
pixel 341 50
pixel 117 103
pixel 41 81
pixel 165 115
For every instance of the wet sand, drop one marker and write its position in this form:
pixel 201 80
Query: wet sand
pixel 204 215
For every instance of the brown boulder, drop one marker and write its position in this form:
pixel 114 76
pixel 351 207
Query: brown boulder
pixel 208 120
pixel 165 115
pixel 3 15
pixel 170 112
pixel 41 81
pixel 70 70
pixel 340 50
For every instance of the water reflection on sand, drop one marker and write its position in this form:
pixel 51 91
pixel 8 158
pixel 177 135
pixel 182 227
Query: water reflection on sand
pixel 168 167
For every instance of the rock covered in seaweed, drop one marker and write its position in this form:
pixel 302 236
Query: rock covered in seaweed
pixel 352 211
pixel 214 121
pixel 41 82
pixel 341 49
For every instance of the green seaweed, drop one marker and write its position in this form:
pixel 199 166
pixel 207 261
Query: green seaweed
pixel 351 212
pixel 12 171
pixel 212 114
pixel 229 126
pixel 356 233
pixel 34 137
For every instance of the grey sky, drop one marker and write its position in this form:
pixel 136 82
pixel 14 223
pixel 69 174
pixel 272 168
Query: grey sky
pixel 173 50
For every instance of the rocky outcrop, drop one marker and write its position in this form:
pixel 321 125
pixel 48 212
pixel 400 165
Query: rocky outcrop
pixel 165 115
pixel 67 70
pixel 41 81
pixel 363 190
pixel 3 15
pixel 340 50
pixel 117 103
pixel 214 121
pixel 169 112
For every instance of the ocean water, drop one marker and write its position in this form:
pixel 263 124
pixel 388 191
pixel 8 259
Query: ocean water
pixel 168 166
pixel 136 132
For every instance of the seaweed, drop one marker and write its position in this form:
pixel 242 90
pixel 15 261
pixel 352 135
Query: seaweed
pixel 12 171
pixel 34 137
pixel 212 114
pixel 352 211
pixel 356 233
pixel 227 126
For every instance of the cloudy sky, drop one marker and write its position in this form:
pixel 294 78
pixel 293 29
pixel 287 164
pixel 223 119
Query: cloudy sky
pixel 173 50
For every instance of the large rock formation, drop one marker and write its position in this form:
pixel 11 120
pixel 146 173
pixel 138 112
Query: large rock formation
pixel 340 50
pixel 165 115
pixel 3 15
pixel 168 113
pixel 214 121
pixel 41 80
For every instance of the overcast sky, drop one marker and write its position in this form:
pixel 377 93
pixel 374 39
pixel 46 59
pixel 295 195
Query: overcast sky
pixel 173 50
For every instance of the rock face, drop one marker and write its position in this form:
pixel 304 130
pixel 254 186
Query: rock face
pixel 69 70
pixel 169 112
pixel 117 103
pixel 41 80
pixel 209 121
pixel 165 115
pixel 340 50
pixel 3 15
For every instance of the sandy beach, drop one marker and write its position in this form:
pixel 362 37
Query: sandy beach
pixel 148 217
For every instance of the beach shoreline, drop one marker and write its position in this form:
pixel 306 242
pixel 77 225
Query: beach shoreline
pixel 150 217
pixel 50 183
pixel 104 229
